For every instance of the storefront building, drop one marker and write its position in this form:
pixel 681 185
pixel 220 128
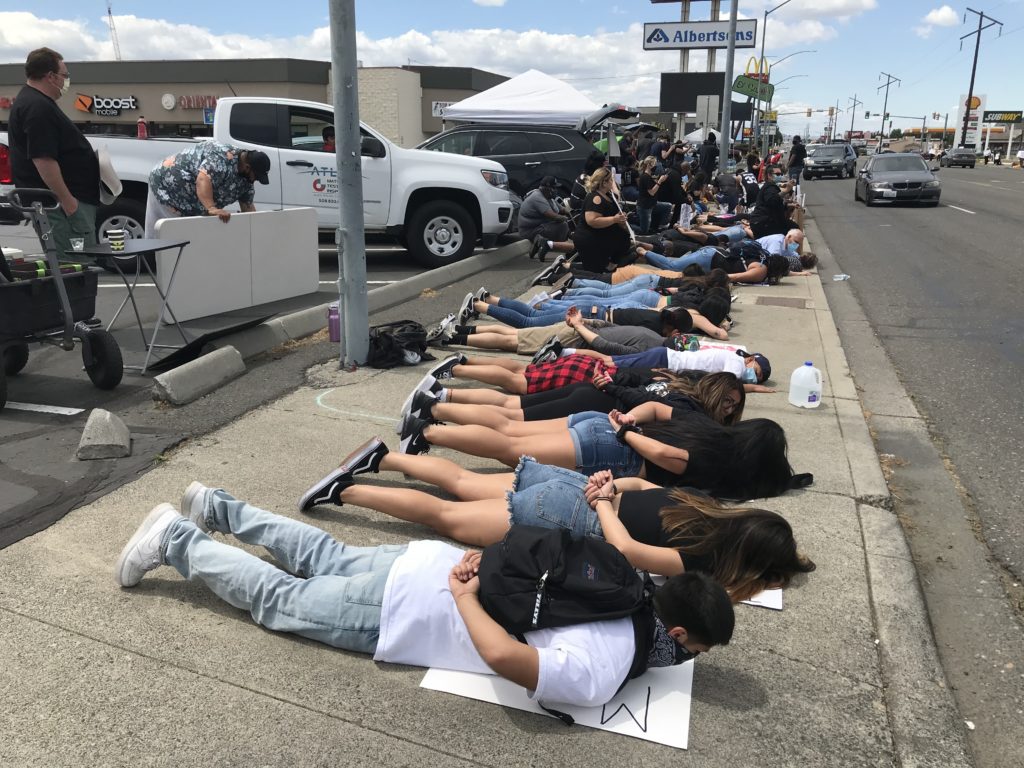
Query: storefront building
pixel 178 97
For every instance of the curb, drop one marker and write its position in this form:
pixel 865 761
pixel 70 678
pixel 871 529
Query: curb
pixel 222 360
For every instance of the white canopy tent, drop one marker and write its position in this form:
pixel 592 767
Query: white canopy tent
pixel 531 97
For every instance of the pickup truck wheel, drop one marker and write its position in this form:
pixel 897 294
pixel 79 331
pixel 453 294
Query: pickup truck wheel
pixel 441 233
pixel 126 214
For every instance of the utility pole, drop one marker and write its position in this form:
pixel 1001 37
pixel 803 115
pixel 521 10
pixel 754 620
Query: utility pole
pixel 974 66
pixel 853 109
pixel 730 59
pixel 350 236
pixel 890 79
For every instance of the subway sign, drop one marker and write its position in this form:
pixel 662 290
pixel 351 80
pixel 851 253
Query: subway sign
pixel 673 36
pixel 1001 117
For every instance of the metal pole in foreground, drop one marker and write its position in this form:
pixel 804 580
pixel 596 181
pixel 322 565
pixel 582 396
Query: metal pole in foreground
pixel 355 335
pixel 730 61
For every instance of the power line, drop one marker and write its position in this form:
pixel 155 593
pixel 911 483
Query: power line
pixel 974 67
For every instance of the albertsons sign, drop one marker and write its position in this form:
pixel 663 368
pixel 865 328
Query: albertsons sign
pixel 698 34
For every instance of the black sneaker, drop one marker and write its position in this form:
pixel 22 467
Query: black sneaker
pixel 481 294
pixel 563 283
pixel 548 352
pixel 443 370
pixel 422 402
pixel 365 458
pixel 427 384
pixel 413 441
pixel 538 240
pixel 549 274
pixel 327 491
pixel 466 309
pixel 542 250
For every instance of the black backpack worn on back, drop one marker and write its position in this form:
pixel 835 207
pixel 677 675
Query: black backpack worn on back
pixel 403 342
pixel 540 578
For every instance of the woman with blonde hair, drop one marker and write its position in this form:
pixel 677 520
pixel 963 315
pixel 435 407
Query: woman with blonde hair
pixel 602 236
pixel 660 530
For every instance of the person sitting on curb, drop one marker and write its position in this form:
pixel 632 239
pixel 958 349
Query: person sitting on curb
pixel 542 222
pixel 412 604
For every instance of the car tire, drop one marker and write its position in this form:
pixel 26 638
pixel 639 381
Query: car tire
pixel 844 173
pixel 441 232
pixel 15 358
pixel 126 214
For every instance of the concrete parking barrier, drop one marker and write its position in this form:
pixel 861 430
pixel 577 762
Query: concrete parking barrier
pixel 192 380
pixel 105 437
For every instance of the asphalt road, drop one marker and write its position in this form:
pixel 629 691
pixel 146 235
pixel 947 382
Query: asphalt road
pixel 942 289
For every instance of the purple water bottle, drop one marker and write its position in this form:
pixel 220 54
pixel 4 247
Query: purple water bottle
pixel 333 322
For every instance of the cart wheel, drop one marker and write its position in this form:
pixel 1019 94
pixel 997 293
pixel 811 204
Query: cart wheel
pixel 106 368
pixel 15 358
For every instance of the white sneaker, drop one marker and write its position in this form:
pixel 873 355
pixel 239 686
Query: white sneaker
pixel 142 552
pixel 541 297
pixel 193 504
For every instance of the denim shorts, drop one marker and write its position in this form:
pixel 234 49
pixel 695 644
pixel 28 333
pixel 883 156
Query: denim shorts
pixel 597 447
pixel 551 497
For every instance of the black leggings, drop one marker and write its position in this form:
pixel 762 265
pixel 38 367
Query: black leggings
pixel 565 401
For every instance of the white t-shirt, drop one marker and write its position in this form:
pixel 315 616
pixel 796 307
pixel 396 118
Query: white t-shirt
pixel 710 360
pixel 420 625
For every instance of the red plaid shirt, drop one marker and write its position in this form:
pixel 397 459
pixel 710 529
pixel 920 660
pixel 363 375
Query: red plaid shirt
pixel 562 372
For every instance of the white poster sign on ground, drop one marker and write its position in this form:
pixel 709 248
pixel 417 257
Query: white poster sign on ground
pixel 653 707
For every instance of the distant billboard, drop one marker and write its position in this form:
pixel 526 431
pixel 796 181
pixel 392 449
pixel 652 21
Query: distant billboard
pixel 679 90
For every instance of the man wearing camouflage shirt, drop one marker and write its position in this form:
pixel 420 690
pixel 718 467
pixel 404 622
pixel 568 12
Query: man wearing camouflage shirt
pixel 202 180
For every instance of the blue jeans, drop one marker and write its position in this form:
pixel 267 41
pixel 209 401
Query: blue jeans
pixel 654 218
pixel 656 357
pixel 597 447
pixel 735 233
pixel 520 315
pixel 644 298
pixel 551 497
pixel 604 290
pixel 702 257
pixel 795 171
pixel 334 597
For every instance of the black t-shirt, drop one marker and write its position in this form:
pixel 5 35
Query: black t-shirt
pixel 646 184
pixel 750 187
pixel 797 155
pixel 727 183
pixel 39 129
pixel 709 462
pixel 672 190
pixel 640 514
pixel 645 318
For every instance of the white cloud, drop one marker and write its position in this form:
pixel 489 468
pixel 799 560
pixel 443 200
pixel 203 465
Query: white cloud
pixel 490 3
pixel 924 31
pixel 942 17
pixel 809 9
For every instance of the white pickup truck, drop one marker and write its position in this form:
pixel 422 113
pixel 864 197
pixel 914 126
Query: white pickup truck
pixel 437 204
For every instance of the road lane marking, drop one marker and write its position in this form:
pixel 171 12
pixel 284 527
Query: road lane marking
pixel 885 225
pixel 121 285
pixel 960 209
pixel 57 409
pixel 368 282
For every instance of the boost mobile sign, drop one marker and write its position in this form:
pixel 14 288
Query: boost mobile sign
pixel 698 34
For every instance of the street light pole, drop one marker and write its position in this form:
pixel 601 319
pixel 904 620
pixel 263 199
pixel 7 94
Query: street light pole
pixel 764 32
pixel 853 110
pixel 730 60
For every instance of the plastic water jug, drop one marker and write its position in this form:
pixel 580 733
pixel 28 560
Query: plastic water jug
pixel 805 386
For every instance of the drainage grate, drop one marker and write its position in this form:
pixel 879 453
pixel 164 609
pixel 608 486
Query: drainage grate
pixel 782 301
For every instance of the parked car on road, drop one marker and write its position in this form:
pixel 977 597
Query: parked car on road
pixel 963 156
pixel 838 160
pixel 897 177
pixel 529 152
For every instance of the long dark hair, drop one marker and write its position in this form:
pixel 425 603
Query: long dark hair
pixel 747 549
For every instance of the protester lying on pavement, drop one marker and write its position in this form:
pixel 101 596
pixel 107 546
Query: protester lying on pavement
pixel 412 604
pixel 718 395
pixel 660 530
pixel 670 447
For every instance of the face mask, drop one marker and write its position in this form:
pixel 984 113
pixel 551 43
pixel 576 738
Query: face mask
pixel 65 87
pixel 778 179
pixel 749 376
pixel 792 247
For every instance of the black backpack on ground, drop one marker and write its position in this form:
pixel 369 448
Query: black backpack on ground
pixel 540 578
pixel 748 251
pixel 403 342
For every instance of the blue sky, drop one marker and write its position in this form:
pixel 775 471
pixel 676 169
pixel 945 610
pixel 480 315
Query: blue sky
pixel 595 45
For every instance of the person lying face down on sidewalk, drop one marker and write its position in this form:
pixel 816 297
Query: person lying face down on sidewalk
pixel 668 446
pixel 718 395
pixel 412 604
pixel 660 530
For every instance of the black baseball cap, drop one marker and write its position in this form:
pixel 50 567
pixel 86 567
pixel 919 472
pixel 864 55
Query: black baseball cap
pixel 549 181
pixel 259 163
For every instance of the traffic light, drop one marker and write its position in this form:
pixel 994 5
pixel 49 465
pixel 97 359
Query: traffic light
pixel 831 111
pixel 867 114
pixel 808 111
pixel 886 117
pixel 935 115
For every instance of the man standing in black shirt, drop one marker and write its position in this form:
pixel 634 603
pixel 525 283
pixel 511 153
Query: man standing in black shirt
pixel 796 159
pixel 708 155
pixel 48 151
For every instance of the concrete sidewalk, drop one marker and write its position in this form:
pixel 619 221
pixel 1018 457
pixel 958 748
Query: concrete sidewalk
pixel 164 674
